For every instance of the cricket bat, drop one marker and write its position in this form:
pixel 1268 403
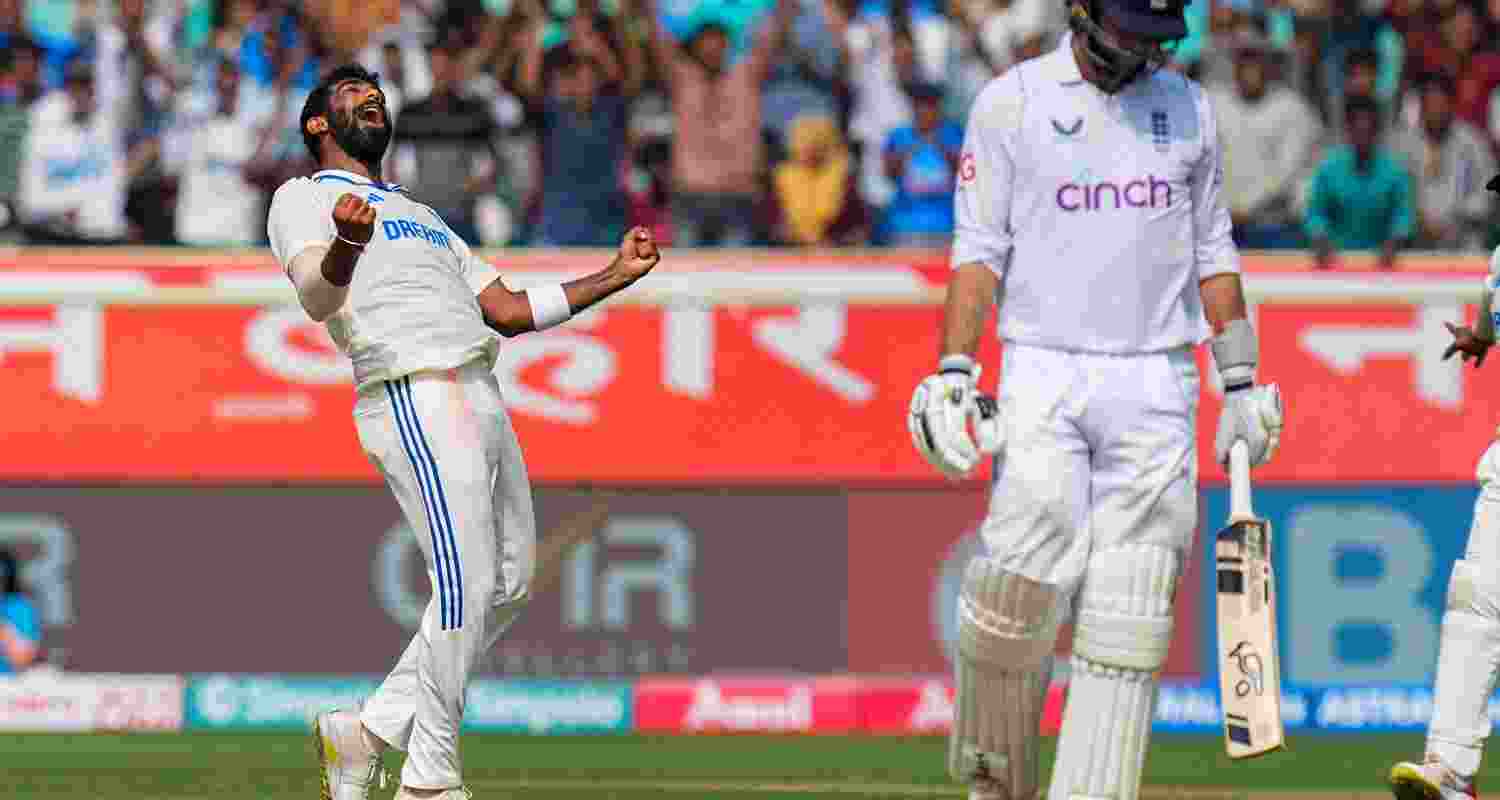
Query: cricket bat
pixel 1249 669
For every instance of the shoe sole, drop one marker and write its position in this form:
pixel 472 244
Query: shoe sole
pixel 325 791
pixel 1409 784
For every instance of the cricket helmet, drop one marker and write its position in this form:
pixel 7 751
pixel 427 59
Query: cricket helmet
pixel 1160 24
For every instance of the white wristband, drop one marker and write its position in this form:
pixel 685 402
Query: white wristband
pixel 549 306
pixel 1236 353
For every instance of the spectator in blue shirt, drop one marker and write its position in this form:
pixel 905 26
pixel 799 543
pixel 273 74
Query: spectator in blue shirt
pixel 1362 196
pixel 922 160
pixel 20 631
pixel 582 130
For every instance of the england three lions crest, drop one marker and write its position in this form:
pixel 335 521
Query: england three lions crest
pixel 1161 133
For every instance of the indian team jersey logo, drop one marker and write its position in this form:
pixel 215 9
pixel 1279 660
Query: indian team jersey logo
pixel 375 197
pixel 398 229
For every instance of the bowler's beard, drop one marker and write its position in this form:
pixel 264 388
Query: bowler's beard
pixel 363 144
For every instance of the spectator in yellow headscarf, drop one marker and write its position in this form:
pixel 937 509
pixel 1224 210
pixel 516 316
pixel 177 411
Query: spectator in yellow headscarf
pixel 814 188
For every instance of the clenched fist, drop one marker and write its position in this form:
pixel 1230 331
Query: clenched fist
pixel 638 253
pixel 354 218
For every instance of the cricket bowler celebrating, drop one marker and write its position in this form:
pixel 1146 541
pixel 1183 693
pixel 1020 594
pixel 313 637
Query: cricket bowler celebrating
pixel 417 314
pixel 1469 645
pixel 1088 208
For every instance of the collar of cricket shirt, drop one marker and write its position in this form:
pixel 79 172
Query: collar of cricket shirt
pixel 344 176
pixel 1060 65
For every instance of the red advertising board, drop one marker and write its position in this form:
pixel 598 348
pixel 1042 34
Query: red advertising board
pixel 835 704
pixel 640 395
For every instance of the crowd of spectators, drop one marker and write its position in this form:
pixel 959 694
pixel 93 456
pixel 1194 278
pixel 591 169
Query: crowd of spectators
pixel 1345 124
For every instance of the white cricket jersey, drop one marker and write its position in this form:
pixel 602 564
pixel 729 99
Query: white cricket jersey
pixel 216 204
pixel 411 306
pixel 1100 213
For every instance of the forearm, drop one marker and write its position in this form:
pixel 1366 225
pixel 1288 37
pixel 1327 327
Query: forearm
pixel 322 276
pixel 590 289
pixel 609 65
pixel 529 79
pixel 970 294
pixel 511 313
pixel 1235 348
pixel 1223 300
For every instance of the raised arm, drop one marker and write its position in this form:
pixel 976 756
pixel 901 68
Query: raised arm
pixel 838 28
pixel 589 41
pixel 768 41
pixel 512 313
pixel 318 249
pixel 1476 342
pixel 529 77
pixel 664 48
pixel 631 51
pixel 322 273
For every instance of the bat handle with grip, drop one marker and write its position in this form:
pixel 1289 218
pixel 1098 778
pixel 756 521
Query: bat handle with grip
pixel 1239 482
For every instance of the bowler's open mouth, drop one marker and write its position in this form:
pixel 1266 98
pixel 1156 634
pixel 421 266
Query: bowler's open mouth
pixel 371 112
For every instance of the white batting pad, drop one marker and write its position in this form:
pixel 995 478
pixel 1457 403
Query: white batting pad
pixel 1124 627
pixel 1007 626
pixel 1467 657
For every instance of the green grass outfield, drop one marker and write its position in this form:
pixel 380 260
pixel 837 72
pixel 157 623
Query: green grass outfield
pixel 180 766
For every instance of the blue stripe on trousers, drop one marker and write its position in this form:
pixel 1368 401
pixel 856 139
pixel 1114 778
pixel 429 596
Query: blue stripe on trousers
pixel 454 562
pixel 439 562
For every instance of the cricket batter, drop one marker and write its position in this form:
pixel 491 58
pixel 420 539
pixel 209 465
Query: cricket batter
pixel 1089 210
pixel 1469 646
pixel 417 314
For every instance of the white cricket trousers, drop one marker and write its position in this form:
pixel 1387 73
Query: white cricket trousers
pixel 1095 494
pixel 444 442
pixel 1100 455
pixel 1469 648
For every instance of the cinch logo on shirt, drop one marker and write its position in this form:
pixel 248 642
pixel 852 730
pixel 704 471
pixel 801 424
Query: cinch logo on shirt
pixel 1147 192
pixel 405 228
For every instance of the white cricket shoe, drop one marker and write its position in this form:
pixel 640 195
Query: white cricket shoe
pixel 986 789
pixel 460 793
pixel 1429 780
pixel 347 762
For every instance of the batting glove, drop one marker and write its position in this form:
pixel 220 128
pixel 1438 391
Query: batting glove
pixel 942 408
pixel 1251 413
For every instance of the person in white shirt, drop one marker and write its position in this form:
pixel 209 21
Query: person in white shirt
pixel 217 202
pixel 1089 205
pixel 881 59
pixel 1468 661
pixel 417 313
pixel 1448 157
pixel 73 168
pixel 1270 137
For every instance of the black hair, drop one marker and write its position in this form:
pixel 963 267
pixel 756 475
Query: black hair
pixel 22 43
pixel 707 27
pixel 1361 57
pixel 10 573
pixel 560 58
pixel 1438 81
pixel 317 104
pixel 447 40
pixel 1359 104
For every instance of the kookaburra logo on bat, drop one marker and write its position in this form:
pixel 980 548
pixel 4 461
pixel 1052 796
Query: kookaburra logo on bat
pixel 1248 662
